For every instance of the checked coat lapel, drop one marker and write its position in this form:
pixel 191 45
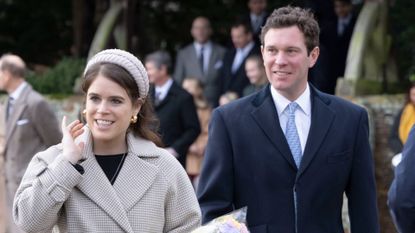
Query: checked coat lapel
pixel 117 200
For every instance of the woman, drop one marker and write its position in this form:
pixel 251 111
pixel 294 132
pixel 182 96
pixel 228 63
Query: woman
pixel 195 153
pixel 255 71
pixel 117 179
pixel 403 122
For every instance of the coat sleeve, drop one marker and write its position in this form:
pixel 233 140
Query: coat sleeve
pixel 215 190
pixel 361 188
pixel 191 126
pixel 182 209
pixel 401 198
pixel 43 191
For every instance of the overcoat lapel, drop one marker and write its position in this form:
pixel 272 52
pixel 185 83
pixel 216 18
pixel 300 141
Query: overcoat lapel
pixel 118 199
pixel 18 108
pixel 322 118
pixel 266 116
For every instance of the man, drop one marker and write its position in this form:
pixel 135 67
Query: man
pixel 233 76
pixel 179 124
pixel 201 60
pixel 30 125
pixel 290 151
pixel 401 199
pixel 336 37
pixel 256 16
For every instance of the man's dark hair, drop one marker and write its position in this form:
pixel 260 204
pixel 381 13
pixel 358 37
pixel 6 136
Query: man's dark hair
pixel 294 16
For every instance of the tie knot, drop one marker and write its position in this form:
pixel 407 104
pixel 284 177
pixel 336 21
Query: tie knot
pixel 11 100
pixel 292 107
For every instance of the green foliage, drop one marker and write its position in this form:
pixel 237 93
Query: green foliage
pixel 59 79
pixel 403 32
pixel 38 31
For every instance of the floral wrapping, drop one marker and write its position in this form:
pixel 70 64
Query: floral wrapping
pixel 234 222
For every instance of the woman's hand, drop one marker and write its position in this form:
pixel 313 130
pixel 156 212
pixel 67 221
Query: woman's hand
pixel 71 151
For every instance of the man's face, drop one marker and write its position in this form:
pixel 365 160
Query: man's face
pixel 257 6
pixel 201 30
pixel 4 77
pixel 286 60
pixel 155 75
pixel 240 38
pixel 342 9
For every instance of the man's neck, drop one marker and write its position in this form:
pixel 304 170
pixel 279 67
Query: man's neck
pixel 14 84
pixel 162 81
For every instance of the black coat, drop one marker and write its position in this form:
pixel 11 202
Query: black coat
pixel 179 124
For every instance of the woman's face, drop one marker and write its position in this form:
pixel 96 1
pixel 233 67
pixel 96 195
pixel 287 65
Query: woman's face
pixel 412 95
pixel 108 110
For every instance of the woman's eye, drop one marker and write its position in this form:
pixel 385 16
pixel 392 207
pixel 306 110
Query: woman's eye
pixel 116 101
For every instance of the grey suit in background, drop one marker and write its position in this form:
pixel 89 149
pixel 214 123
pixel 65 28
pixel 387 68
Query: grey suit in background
pixel 188 60
pixel 187 66
pixel 30 127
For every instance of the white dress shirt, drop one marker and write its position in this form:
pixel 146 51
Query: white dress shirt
pixel 302 115
pixel 207 51
pixel 15 95
pixel 241 54
pixel 161 91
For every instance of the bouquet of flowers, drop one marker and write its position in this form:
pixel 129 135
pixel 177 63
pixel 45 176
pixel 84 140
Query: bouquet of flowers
pixel 234 222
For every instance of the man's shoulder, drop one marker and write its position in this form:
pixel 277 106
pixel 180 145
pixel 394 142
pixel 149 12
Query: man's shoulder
pixel 186 49
pixel 340 104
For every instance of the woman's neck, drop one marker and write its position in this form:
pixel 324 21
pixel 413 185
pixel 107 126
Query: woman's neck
pixel 110 147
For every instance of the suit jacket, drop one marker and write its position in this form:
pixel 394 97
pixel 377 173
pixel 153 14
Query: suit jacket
pixel 335 49
pixel 256 34
pixel 152 193
pixel 31 127
pixel 238 81
pixel 401 199
pixel 187 65
pixel 248 163
pixel 179 124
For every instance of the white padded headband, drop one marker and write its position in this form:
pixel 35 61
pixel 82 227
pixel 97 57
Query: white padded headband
pixel 127 61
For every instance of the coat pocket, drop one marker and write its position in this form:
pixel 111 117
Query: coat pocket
pixel 339 157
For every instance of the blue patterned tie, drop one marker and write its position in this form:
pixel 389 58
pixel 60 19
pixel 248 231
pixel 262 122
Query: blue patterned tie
pixel 291 134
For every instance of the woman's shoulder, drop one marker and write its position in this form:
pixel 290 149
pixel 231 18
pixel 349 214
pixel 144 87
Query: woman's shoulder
pixel 160 157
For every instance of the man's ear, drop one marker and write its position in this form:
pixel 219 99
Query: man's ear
pixel 313 56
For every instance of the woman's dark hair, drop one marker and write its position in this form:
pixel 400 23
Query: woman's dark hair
pixel 147 124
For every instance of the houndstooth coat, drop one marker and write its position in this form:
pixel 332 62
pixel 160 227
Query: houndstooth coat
pixel 152 193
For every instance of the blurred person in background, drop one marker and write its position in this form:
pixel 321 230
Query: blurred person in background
pixel 201 59
pixel 255 71
pixel 175 108
pixel 233 76
pixel 403 122
pixel 197 149
pixel 401 198
pixel 30 126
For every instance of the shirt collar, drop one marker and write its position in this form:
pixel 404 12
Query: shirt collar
pixel 304 101
pixel 346 20
pixel 245 50
pixel 163 89
pixel 198 45
pixel 16 93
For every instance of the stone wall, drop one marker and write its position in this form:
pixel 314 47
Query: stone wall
pixel 381 111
